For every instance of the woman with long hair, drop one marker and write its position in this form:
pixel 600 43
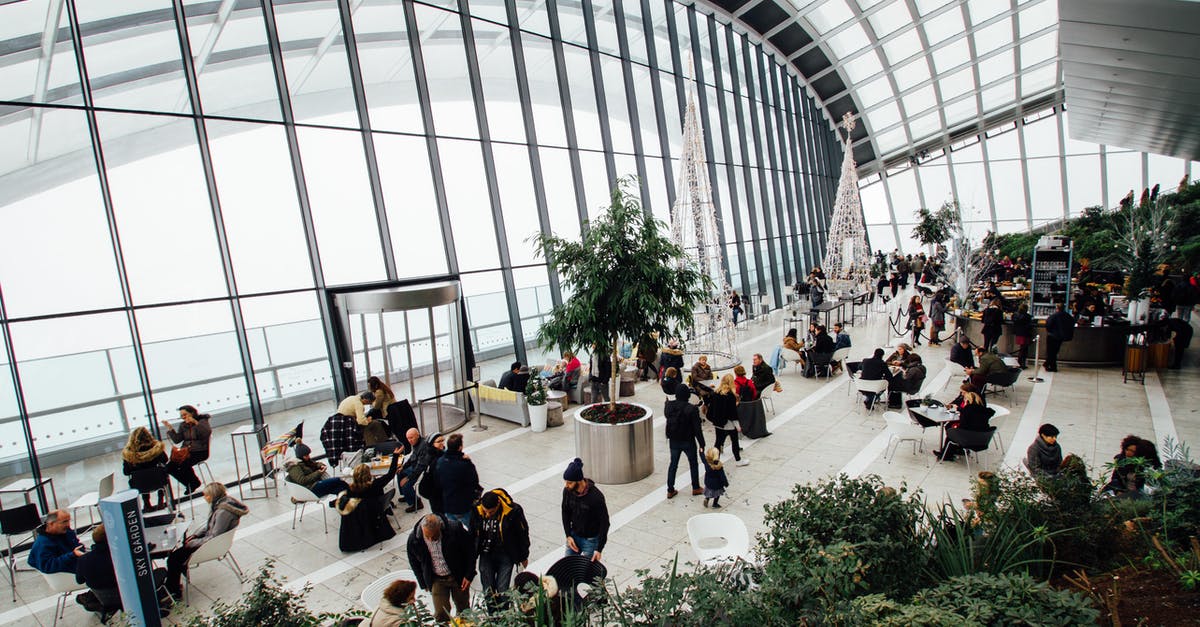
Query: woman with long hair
pixel 993 320
pixel 916 318
pixel 383 396
pixel 142 452
pixel 223 516
pixel 722 412
pixel 972 416
pixel 363 510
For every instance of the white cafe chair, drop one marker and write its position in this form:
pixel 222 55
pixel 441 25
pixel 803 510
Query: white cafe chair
pixel 879 387
pixel 718 537
pixel 902 429
pixel 301 497
pixel 219 549
pixel 62 585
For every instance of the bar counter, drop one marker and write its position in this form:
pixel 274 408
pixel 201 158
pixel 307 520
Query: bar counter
pixel 1092 346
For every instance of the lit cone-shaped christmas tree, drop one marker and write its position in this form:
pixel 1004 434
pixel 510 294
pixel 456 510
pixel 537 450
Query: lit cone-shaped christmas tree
pixel 847 261
pixel 694 228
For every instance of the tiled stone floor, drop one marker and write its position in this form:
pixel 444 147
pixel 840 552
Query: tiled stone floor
pixel 817 430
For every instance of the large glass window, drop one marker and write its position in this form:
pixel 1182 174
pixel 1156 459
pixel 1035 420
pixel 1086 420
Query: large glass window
pixel 470 207
pixel 234 73
pixel 412 209
pixel 314 56
pixel 387 67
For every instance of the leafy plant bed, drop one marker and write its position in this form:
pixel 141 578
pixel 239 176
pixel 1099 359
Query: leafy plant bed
pixel 620 414
pixel 1144 596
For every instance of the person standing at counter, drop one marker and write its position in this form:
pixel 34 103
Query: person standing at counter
pixel 993 319
pixel 1022 328
pixel 937 318
pixel 1060 327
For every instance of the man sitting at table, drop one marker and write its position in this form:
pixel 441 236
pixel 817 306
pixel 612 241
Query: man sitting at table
pixel 821 351
pixel 873 369
pixel 841 338
pixel 989 364
pixel 762 375
pixel 55 546
pixel 960 352
pixel 516 378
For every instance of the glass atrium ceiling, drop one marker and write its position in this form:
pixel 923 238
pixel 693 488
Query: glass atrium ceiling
pixel 919 73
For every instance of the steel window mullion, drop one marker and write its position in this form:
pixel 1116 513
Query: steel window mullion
pixel 114 233
pixel 493 187
pixel 741 132
pixel 589 22
pixel 762 133
pixel 1062 162
pixel 778 164
pixel 656 90
pixel 710 128
pixel 635 129
pixel 793 119
pixel 762 232
pixel 822 161
pixel 531 145
pixel 1104 199
pixel 1020 130
pixel 214 200
pixel 564 96
pixel 343 379
pixel 987 177
pixel 800 151
pixel 785 165
pixel 413 32
pixel 35 467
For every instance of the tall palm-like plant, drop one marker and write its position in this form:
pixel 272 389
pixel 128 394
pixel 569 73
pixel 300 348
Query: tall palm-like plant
pixel 625 278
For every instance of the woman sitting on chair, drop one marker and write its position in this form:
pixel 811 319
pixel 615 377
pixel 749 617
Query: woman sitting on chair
pixel 143 452
pixel 973 416
pixel 225 514
pixel 364 514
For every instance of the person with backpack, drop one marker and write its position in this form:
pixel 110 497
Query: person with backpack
pixel 683 434
pixel 722 412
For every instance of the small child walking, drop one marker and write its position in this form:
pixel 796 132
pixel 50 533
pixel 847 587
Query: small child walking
pixel 715 480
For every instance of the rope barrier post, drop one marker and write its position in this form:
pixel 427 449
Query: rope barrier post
pixel 1036 349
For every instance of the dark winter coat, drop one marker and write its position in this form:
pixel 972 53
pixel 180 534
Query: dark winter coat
pixel 722 411
pixel 683 419
pixel 513 528
pixel 457 550
pixel 586 515
pixel 460 482
pixel 364 514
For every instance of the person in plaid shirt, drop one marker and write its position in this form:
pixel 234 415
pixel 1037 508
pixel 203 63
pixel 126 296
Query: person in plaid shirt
pixel 340 434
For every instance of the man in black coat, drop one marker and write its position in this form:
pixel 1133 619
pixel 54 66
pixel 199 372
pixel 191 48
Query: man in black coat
pixel 683 434
pixel 1060 327
pixel 960 353
pixel 516 378
pixel 414 466
pixel 501 535
pixel 459 480
pixel 763 376
pixel 442 557
pixel 873 369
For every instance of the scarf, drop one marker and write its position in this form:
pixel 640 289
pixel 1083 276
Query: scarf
pixel 142 455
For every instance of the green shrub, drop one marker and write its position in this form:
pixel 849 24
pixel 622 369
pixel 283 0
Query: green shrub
pixel 881 526
pixel 980 600
pixel 267 602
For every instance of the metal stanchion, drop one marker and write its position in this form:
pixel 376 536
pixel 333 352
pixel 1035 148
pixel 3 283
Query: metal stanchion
pixel 1036 350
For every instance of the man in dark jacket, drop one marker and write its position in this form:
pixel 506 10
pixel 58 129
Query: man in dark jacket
pixel 501 536
pixel 459 480
pixel 873 369
pixel 684 433
pixel 762 375
pixel 1060 327
pixel 960 353
pixel 442 557
pixel 516 378
pixel 415 466
pixel 584 513
pixel 55 546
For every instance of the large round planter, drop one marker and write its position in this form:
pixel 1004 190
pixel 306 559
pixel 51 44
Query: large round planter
pixel 537 417
pixel 616 454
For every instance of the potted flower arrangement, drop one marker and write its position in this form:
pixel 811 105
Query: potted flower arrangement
pixel 535 397
pixel 626 279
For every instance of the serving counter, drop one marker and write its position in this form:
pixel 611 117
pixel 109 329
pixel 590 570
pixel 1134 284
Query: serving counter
pixel 1091 346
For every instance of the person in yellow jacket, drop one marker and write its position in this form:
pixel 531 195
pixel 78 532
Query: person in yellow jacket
pixel 501 535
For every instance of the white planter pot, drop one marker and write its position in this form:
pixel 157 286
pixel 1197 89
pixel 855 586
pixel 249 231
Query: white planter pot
pixel 615 454
pixel 537 418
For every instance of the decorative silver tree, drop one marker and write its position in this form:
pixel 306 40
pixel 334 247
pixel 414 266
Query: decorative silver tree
pixel 847 261
pixel 694 229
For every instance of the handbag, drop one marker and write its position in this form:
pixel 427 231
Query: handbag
pixel 180 454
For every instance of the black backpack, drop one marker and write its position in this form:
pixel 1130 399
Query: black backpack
pixel 676 422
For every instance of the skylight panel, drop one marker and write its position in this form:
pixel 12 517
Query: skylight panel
pixel 892 140
pixel 902 47
pixel 1037 81
pixel 920 100
pixel 1037 50
pixel 961 111
pixel 925 7
pixel 951 56
pixel 945 26
pixel 957 84
pixel 884 117
pixel 912 73
pixel 874 92
pixel 984 10
pixel 862 67
pixel 925 126
pixel 993 37
pixel 1035 17
pixel 849 41
pixel 996 67
pixel 830 15
pixel 890 19
pixel 999 96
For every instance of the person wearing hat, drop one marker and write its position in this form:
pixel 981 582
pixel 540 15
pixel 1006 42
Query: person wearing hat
pixel 430 485
pixel 584 513
pixel 516 378
pixel 302 470
pixel 1044 456
pixel 501 534
pixel 684 433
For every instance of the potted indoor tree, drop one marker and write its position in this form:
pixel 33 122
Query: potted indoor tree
pixel 535 397
pixel 626 279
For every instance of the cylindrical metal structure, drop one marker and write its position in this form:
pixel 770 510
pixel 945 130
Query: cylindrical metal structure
pixel 615 454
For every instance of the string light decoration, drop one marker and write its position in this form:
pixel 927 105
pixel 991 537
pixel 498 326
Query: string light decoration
pixel 847 260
